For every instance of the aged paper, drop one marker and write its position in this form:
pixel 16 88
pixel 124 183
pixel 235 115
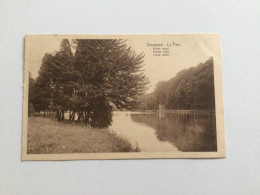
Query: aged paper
pixel 122 97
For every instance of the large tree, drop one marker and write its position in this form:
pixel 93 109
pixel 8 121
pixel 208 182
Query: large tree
pixel 42 88
pixel 100 75
pixel 61 79
pixel 53 82
pixel 108 73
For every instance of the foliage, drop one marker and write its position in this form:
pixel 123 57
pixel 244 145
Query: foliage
pixel 100 75
pixel 32 82
pixel 191 88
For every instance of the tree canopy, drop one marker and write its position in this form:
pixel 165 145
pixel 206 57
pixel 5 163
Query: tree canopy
pixel 100 75
pixel 191 88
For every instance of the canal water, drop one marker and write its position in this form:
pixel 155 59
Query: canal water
pixel 166 132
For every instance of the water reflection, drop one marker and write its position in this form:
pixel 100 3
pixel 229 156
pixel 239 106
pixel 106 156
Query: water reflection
pixel 186 132
pixel 142 135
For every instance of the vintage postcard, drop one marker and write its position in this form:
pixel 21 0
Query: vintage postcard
pixel 123 97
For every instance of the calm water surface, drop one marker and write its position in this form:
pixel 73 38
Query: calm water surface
pixel 157 132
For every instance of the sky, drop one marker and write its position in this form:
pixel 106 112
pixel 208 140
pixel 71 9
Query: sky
pixel 190 51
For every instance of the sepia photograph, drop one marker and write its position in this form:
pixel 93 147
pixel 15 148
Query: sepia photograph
pixel 122 97
pixel 129 97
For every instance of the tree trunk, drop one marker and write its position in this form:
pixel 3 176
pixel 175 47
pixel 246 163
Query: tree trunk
pixel 73 116
pixel 86 118
pixel 58 115
pixel 62 115
pixel 79 116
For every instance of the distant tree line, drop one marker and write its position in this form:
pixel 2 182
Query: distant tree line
pixel 190 89
pixel 101 74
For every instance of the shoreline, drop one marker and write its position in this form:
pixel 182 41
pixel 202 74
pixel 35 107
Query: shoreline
pixel 197 112
pixel 46 136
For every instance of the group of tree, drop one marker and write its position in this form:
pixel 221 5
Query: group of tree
pixel 99 75
pixel 190 89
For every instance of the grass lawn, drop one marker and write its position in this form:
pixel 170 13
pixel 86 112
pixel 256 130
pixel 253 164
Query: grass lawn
pixel 46 136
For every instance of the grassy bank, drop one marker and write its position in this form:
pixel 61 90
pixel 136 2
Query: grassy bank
pixel 46 136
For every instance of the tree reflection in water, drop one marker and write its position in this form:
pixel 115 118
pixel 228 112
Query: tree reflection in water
pixel 189 133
